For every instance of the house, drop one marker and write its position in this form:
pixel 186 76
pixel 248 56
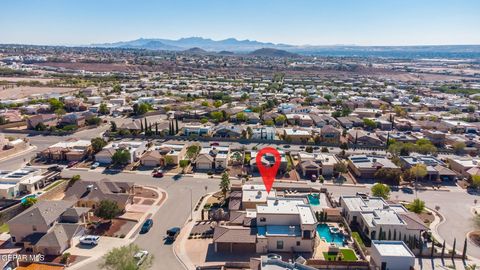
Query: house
pixel 228 131
pixel 49 120
pixel 133 126
pixel 296 135
pixel 215 157
pixel 303 120
pixel 253 195
pixel 362 137
pixel 175 151
pixel 365 166
pixel 91 193
pixel 26 180
pixel 73 119
pixel 152 159
pixel 48 227
pixel 379 220
pixel 11 116
pixel 326 163
pixel 330 134
pixel 397 136
pixel 281 225
pixel 309 168
pixel 436 169
pixel 136 150
pixel 350 121
pixel 70 150
pixel 436 137
pixel 367 112
pixel 197 129
pixel 463 164
pixel 268 160
pixel 263 133
pixel 392 255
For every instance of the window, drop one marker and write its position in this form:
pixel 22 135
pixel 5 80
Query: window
pixel 14 239
pixel 262 219
pixel 307 234
pixel 279 244
pixel 298 243
pixel 34 228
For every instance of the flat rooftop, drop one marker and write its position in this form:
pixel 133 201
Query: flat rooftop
pixel 392 248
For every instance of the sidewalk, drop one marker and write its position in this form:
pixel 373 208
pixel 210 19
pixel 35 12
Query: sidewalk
pixel 24 151
pixel 179 248
pixel 132 234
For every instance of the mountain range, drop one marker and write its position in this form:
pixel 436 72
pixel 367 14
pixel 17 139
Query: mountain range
pixel 234 46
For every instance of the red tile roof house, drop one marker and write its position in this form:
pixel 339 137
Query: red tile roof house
pixel 48 120
pixel 48 227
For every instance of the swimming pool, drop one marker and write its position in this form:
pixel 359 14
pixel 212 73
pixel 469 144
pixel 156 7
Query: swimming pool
pixel 314 199
pixel 24 199
pixel 324 232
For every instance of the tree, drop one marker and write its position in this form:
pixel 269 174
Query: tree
pixel 29 201
pixel 122 258
pixel 388 176
pixel 217 116
pixel 168 161
pixel 40 127
pixel 184 164
pixel 309 149
pixel 121 157
pixel 369 123
pixel 107 209
pixel 225 183
pixel 458 147
pixel 475 181
pixel 381 190
pixel 74 179
pixel 60 112
pixel 117 88
pixel 103 109
pixel 140 109
pixel 280 120
pixel 217 103
pixel 192 151
pixel 98 144
pixel 55 104
pixel 268 122
pixel 241 117
pixel 113 126
pixel 205 103
pixel 203 120
pixel 340 167
pixel 417 206
pixel 419 171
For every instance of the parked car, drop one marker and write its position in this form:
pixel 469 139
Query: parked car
pixel 89 240
pixel 146 225
pixel 158 174
pixel 407 190
pixel 55 168
pixel 214 144
pixel 173 233
pixel 95 165
pixel 140 256
pixel 72 163
pixel 314 178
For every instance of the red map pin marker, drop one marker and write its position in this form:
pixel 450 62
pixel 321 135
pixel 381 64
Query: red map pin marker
pixel 268 172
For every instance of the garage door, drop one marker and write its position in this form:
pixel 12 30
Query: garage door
pixel 236 247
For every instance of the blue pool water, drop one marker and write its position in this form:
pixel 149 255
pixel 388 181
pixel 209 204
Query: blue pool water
pixel 314 199
pixel 324 232
pixel 28 196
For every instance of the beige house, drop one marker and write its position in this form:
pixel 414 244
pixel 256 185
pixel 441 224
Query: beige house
pixel 152 159
pixel 48 227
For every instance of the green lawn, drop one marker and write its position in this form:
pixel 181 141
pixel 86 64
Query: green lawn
pixel 359 240
pixel 54 185
pixel 4 228
pixel 347 254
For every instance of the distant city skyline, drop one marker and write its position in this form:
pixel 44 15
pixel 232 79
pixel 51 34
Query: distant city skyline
pixel 299 22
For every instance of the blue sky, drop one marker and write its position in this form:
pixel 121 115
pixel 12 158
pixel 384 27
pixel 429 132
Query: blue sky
pixel 315 22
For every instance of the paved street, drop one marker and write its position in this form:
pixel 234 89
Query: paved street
pixel 174 212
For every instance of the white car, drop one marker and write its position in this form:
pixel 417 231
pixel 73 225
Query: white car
pixel 140 256
pixel 89 240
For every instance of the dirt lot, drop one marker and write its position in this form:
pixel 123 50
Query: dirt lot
pixel 25 91
pixel 145 193
pixel 115 228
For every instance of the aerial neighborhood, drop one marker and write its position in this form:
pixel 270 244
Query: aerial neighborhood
pixel 151 156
